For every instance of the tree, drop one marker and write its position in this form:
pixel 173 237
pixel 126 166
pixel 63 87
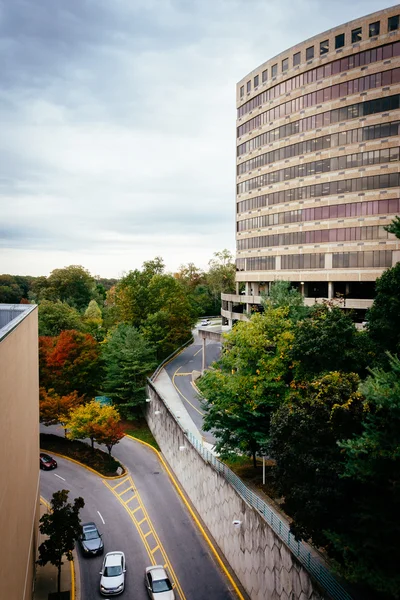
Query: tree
pixel 221 276
pixel 55 409
pixel 304 437
pixel 383 318
pixel 368 548
pixel 93 321
pixel 109 433
pixel 62 525
pixel 55 317
pixel 128 359
pixel 327 341
pixel 248 383
pixel 70 362
pixel 282 294
pixel 72 284
pixel 89 420
pixel 394 227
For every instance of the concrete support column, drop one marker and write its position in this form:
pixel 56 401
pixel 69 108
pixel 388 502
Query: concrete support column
pixel 347 289
pixel 230 323
pixel 256 289
pixel 301 288
pixel 203 360
pixel 330 290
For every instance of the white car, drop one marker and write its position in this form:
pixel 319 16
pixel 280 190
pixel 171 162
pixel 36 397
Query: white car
pixel 112 580
pixel 205 322
pixel 158 584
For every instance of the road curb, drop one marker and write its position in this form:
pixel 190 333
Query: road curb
pixel 86 467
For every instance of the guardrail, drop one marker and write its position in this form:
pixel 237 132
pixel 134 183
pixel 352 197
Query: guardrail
pixel 298 548
pixel 170 357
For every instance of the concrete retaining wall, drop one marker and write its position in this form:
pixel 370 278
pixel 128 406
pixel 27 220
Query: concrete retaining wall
pixel 263 564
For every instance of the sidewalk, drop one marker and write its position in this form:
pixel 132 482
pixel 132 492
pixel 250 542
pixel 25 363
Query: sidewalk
pixel 46 577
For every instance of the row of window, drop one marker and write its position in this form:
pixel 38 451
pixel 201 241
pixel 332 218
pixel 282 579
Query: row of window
pixel 326 165
pixel 322 213
pixel 319 236
pixel 326 118
pixel 340 260
pixel 351 136
pixel 334 92
pixel 324 142
pixel 359 184
pixel 357 260
pixel 341 65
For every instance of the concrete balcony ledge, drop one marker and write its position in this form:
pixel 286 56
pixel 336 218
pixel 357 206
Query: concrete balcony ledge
pixel 241 298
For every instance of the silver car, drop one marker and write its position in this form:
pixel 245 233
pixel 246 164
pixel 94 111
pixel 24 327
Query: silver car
pixel 112 580
pixel 158 584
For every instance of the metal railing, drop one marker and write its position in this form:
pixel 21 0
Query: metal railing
pixel 298 548
pixel 170 357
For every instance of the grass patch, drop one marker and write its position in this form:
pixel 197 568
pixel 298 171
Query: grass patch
pixel 95 459
pixel 139 429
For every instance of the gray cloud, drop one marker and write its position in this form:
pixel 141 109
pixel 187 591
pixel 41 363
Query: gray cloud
pixel 117 123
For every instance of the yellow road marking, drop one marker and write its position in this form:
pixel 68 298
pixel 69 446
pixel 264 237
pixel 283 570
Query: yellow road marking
pixel 148 533
pixel 135 509
pixel 194 517
pixel 127 490
pixel 143 537
pixel 182 374
pixel 196 353
pixel 142 521
pixel 180 393
pixel 120 483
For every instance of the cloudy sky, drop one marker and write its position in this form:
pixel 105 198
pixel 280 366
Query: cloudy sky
pixel 117 124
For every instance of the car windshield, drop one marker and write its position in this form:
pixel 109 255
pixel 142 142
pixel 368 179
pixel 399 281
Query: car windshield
pixel 113 571
pixel 162 585
pixel 46 458
pixel 91 535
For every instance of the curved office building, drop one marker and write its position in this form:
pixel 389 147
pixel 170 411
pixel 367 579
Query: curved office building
pixel 318 167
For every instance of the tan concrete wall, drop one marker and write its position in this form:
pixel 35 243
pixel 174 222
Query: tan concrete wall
pixel 19 465
pixel 261 561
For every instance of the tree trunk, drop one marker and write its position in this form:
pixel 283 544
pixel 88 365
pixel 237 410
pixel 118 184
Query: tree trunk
pixel 254 459
pixel 59 580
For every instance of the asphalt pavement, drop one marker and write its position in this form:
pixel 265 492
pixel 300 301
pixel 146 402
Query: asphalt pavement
pixel 180 371
pixel 143 515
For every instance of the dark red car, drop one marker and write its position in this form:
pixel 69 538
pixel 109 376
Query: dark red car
pixel 47 462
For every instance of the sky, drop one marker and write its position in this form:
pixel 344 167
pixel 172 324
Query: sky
pixel 117 124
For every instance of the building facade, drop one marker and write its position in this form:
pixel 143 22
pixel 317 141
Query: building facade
pixel 19 436
pixel 318 167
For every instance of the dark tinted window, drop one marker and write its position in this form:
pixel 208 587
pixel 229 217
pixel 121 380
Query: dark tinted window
pixel 356 35
pixel 256 79
pixel 274 70
pixel 242 91
pixel 393 23
pixel 374 28
pixel 310 53
pixel 248 86
pixel 339 41
pixel 324 47
pixel 296 59
pixel 264 76
pixel 285 64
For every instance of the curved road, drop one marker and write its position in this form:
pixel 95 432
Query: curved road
pixel 146 518
pixel 180 372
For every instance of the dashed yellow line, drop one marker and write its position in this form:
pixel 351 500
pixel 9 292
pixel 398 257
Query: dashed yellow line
pixel 180 393
pixel 138 524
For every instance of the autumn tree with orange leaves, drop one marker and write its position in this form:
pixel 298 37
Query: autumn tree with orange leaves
pixel 54 408
pixel 96 422
pixel 70 362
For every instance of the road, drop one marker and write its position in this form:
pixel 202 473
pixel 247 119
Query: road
pixel 180 372
pixel 145 517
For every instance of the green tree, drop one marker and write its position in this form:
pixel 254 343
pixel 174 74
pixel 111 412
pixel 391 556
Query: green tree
pixel 394 227
pixel 128 360
pixel 62 525
pixel 383 318
pixel 221 277
pixel 55 317
pixel 72 284
pixel 248 383
pixel 10 290
pixel 93 321
pixel 328 341
pixel 282 294
pixel 368 547
pixel 304 437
